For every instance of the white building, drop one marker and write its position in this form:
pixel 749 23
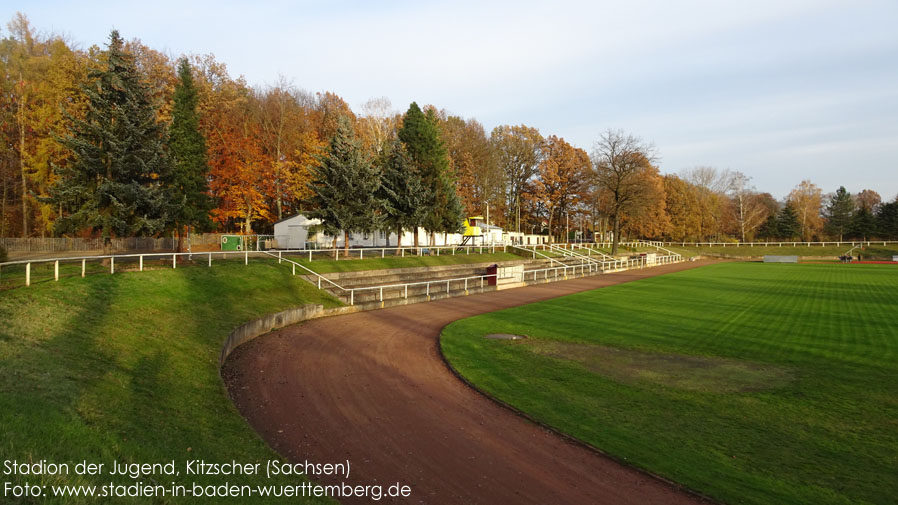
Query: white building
pixel 298 232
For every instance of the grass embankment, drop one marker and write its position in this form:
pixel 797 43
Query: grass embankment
pixel 13 276
pixel 125 367
pixel 832 251
pixel 751 383
pixel 355 265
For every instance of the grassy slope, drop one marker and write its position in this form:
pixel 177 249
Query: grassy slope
pixel 820 426
pixel 125 367
pixel 14 275
pixel 354 265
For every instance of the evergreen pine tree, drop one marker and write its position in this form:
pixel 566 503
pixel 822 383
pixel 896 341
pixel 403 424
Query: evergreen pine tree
pixel 887 220
pixel 346 187
pixel 863 224
pixel 421 137
pixel 188 187
pixel 451 211
pixel 787 223
pixel 114 184
pixel 403 193
pixel 839 211
pixel 770 228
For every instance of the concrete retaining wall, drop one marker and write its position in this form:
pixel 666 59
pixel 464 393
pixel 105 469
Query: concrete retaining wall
pixel 248 331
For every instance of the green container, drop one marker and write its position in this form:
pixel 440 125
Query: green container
pixel 231 243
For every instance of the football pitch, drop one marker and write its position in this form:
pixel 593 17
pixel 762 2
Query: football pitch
pixel 746 382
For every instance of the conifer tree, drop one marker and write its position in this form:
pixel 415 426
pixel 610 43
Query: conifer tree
pixel 403 193
pixel 188 186
pixel 421 135
pixel 787 223
pixel 839 212
pixel 346 187
pixel 863 224
pixel 114 184
pixel 887 220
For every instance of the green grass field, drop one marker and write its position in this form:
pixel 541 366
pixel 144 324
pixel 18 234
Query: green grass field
pixel 749 382
pixel 831 251
pixel 125 367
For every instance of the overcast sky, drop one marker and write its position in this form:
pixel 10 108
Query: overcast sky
pixel 780 90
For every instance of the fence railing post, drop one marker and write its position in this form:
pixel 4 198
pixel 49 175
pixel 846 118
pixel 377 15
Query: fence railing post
pixel 56 270
pixel 174 261
pixel 83 267
pixel 112 265
pixel 27 274
pixel 210 259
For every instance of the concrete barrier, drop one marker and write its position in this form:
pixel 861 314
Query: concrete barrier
pixel 257 327
pixel 780 259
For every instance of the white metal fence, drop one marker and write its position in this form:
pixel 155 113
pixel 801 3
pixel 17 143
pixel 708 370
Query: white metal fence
pixel 588 265
pixel 779 243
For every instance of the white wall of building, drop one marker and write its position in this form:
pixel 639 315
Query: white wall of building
pixel 293 233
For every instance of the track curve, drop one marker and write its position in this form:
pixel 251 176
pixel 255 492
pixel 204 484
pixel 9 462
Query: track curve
pixel 372 388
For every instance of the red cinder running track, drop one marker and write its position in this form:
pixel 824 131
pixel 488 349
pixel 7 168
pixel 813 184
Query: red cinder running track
pixel 372 388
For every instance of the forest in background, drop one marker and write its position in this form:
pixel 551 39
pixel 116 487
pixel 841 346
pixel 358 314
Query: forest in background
pixel 267 152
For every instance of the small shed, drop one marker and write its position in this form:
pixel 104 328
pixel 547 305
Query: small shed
pixel 293 232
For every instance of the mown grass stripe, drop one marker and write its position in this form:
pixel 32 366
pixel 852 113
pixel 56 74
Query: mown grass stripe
pixel 828 434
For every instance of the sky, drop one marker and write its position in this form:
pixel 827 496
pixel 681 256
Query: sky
pixel 781 90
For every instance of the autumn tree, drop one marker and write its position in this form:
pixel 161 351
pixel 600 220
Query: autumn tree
pixel 114 185
pixel 329 108
pixel 839 210
pixel 187 184
pixel 711 185
pixel 286 123
pixel 749 211
pixel 346 187
pixel 562 180
pixel 159 75
pixel 868 199
pixel 377 125
pixel 518 151
pixel 472 161
pixel 240 175
pixel 619 163
pixel 806 200
pixel 38 75
pixel 681 202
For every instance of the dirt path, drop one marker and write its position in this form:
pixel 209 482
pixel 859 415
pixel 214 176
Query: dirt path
pixel 371 387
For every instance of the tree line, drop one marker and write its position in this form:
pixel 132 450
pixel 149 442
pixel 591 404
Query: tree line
pixel 126 141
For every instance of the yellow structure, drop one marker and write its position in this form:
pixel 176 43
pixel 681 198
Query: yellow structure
pixel 472 226
pixel 472 230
